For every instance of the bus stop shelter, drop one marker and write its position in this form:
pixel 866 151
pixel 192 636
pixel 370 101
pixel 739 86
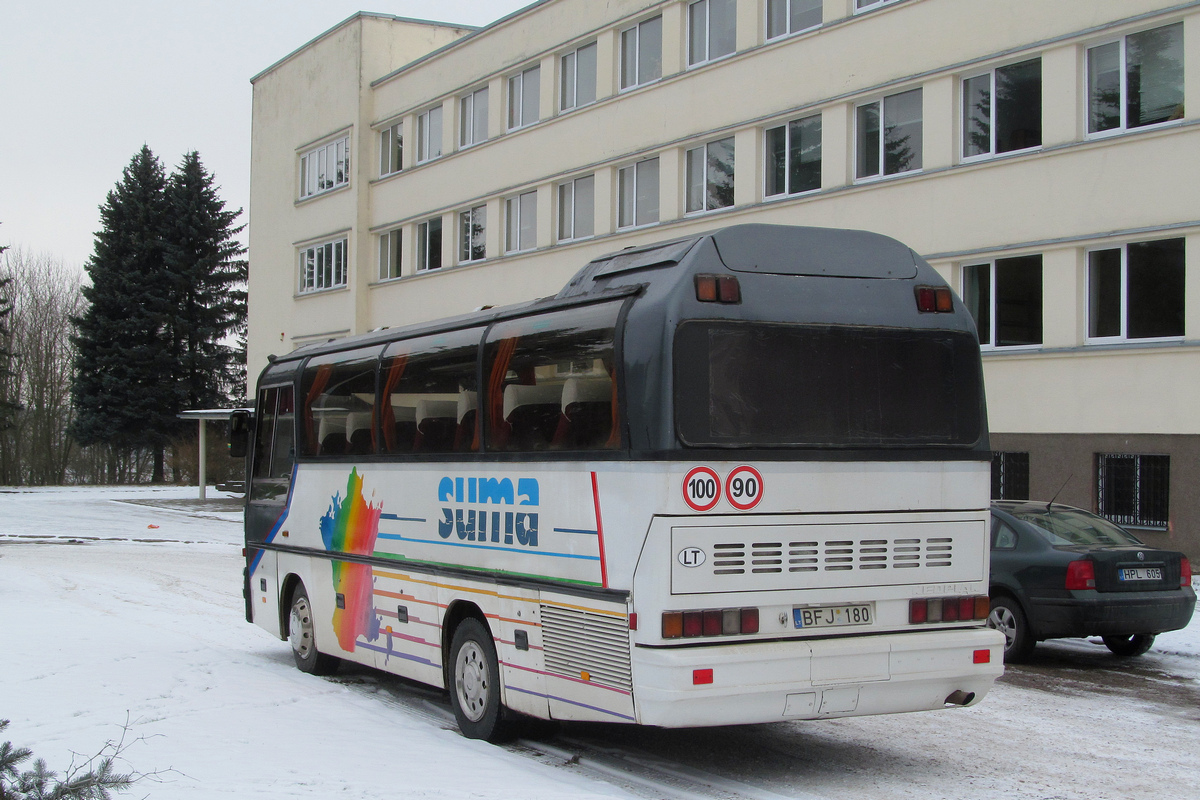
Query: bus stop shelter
pixel 202 416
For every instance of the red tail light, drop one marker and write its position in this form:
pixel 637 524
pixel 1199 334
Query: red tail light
pixel 1081 575
pixel 712 622
pixel 948 609
pixel 1185 572
pixel 718 289
pixel 934 299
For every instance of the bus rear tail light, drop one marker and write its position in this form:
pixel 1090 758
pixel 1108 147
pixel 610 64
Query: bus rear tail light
pixel 934 299
pixel 1185 572
pixel 711 622
pixel 948 609
pixel 718 289
pixel 1081 575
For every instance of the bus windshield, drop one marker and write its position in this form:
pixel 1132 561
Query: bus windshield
pixel 763 384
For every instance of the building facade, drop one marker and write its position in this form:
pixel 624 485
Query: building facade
pixel 1037 154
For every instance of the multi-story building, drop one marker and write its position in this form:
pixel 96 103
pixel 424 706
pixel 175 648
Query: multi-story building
pixel 1037 154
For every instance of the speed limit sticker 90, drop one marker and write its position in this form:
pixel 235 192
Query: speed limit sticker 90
pixel 744 488
pixel 702 488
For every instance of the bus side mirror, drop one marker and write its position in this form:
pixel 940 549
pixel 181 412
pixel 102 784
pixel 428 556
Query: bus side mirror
pixel 239 433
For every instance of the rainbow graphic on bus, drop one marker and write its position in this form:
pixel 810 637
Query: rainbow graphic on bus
pixel 351 526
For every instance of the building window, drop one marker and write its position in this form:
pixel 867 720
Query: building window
pixel 323 266
pixel 889 135
pixel 1134 490
pixel 870 5
pixel 473 118
pixel 1005 298
pixel 637 194
pixel 577 208
pixel 709 176
pixel 472 232
pixel 641 53
pixel 327 167
pixel 794 157
pixel 522 222
pixel 792 16
pixel 1136 80
pixel 389 255
pixel 578 78
pixel 712 30
pixel 1002 110
pixel 391 149
pixel 429 245
pixel 524 95
pixel 1136 291
pixel 429 135
pixel 1010 476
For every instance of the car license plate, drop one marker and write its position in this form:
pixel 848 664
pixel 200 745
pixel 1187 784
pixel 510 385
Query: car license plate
pixel 832 616
pixel 1141 574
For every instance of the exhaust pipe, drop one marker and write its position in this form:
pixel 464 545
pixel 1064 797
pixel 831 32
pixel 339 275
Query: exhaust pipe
pixel 960 698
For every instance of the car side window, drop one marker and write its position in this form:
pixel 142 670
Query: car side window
pixel 1003 537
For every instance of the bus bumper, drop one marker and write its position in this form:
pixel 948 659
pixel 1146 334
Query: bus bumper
pixel 815 679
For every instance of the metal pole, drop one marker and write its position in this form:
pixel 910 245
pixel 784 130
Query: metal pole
pixel 203 463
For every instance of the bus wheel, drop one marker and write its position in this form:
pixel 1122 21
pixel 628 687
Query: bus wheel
pixel 475 683
pixel 302 637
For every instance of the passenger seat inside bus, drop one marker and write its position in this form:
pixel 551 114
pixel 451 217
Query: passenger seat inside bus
pixel 437 422
pixel 358 428
pixel 331 433
pixel 586 418
pixel 532 412
pixel 464 435
pixel 404 431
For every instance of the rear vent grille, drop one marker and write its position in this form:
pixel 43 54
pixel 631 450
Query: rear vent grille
pixel 576 642
pixel 834 555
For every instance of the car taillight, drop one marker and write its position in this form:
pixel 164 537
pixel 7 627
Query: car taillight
pixel 948 609
pixel 712 622
pixel 1081 575
pixel 1185 572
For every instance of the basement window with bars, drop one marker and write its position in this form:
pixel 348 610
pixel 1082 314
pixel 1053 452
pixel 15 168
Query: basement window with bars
pixel 1134 490
pixel 1010 476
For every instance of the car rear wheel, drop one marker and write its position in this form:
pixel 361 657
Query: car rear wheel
pixel 1128 646
pixel 1008 618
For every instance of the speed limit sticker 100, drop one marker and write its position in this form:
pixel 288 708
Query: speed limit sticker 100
pixel 742 487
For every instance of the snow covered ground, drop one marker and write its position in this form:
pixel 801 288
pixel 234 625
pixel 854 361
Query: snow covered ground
pixel 112 609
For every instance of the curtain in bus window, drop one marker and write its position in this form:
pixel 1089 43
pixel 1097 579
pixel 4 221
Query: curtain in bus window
pixel 750 384
pixel 316 385
pixel 552 381
pixel 395 372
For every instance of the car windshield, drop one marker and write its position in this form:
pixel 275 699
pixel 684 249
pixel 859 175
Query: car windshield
pixel 1071 526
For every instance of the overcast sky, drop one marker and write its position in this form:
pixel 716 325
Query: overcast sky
pixel 84 83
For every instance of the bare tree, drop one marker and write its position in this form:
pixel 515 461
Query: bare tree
pixel 45 294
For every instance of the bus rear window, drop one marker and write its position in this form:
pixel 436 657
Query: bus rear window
pixel 815 386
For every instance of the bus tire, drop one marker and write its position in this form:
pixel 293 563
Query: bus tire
pixel 475 683
pixel 303 639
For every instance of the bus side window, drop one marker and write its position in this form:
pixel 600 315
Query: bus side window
pixel 339 404
pixel 429 397
pixel 552 381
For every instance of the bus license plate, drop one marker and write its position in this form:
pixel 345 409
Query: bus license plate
pixel 1142 574
pixel 832 616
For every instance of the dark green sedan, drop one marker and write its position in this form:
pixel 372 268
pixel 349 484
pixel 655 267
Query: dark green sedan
pixel 1059 571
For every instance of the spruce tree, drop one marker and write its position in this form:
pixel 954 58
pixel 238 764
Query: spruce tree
pixel 207 270
pixel 125 389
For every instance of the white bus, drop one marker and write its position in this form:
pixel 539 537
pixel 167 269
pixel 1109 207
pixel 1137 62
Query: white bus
pixel 734 478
